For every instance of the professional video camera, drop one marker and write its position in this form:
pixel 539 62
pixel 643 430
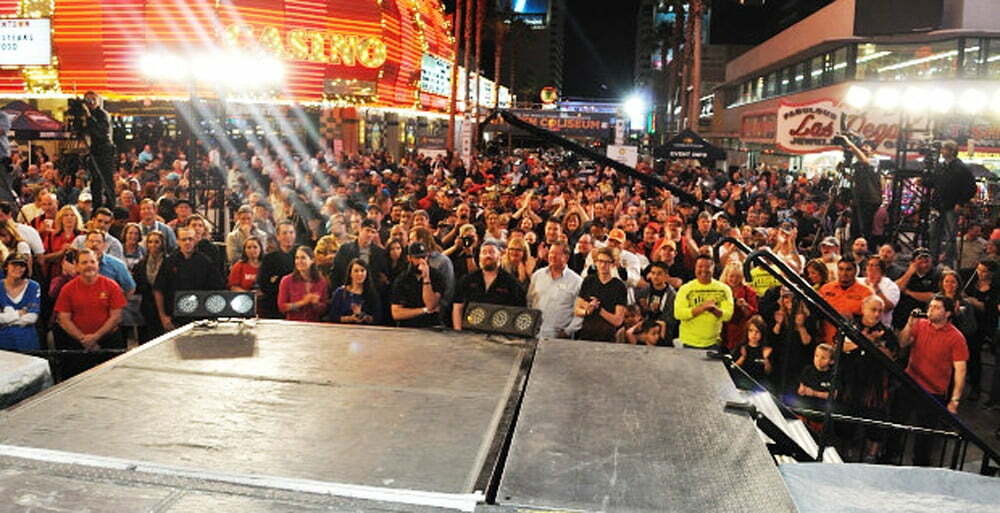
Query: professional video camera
pixel 76 111
pixel 931 154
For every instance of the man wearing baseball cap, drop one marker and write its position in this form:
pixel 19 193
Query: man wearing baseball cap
pixel 916 286
pixel 416 293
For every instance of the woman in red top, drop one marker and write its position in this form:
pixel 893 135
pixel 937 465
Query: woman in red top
pixel 745 300
pixel 243 276
pixel 67 226
pixel 303 295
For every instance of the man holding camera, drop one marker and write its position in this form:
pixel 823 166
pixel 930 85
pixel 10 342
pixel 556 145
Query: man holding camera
pixel 939 354
pixel 97 129
pixel 866 188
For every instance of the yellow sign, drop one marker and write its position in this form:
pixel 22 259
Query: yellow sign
pixel 549 95
pixel 311 45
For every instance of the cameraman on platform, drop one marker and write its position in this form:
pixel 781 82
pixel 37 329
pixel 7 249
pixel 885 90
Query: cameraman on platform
pixel 97 128
pixel 866 188
pixel 948 191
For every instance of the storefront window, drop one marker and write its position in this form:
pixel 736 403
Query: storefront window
pixel 972 59
pixel 771 85
pixel 840 65
pixel 993 59
pixel 758 90
pixel 816 71
pixel 785 86
pixel 907 61
pixel 799 81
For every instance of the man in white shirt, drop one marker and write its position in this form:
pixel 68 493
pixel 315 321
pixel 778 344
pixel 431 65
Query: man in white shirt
pixel 553 290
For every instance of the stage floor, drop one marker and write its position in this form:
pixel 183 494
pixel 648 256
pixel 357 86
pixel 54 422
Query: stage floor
pixel 612 427
pixel 371 412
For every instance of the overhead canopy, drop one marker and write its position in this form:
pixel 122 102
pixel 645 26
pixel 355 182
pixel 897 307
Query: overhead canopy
pixel 29 124
pixel 981 173
pixel 689 145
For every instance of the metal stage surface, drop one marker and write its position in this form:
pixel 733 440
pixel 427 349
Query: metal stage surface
pixel 385 414
pixel 302 418
pixel 611 427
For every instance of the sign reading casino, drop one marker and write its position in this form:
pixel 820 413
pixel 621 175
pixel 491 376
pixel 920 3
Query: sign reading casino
pixel 318 42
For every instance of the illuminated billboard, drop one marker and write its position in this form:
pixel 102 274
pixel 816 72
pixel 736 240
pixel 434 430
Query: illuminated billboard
pixel 293 50
pixel 531 6
pixel 25 42
pixel 533 13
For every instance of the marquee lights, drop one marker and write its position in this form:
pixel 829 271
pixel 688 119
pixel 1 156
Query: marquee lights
pixel 311 45
pixel 919 99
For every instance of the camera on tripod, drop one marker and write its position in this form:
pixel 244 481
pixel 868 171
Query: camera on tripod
pixel 76 112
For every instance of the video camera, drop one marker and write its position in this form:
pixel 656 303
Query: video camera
pixel 76 112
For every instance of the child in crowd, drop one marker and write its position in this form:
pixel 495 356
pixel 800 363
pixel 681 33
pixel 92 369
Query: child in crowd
pixel 816 380
pixel 753 356
pixel 647 332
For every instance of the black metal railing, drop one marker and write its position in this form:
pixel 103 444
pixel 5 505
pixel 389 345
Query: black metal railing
pixel 804 292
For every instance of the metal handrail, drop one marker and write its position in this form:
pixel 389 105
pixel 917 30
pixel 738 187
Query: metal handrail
pixel 800 287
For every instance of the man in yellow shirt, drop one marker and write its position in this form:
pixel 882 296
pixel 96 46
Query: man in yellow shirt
pixel 702 305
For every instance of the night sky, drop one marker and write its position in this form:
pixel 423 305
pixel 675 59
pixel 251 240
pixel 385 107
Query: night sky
pixel 600 38
pixel 600 48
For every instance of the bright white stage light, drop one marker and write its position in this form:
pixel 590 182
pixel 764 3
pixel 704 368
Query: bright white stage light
pixel 635 108
pixel 858 96
pixel 995 104
pixel 973 101
pixel 942 100
pixel 915 99
pixel 887 98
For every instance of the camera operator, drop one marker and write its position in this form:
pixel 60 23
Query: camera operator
pixel 463 252
pixel 866 188
pixel 6 173
pixel 948 191
pixel 97 128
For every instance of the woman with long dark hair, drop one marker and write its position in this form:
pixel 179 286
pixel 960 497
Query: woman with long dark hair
pixel 303 294
pixel 397 258
pixel 144 274
pixel 356 302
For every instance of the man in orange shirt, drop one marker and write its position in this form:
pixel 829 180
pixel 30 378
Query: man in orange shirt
pixel 845 295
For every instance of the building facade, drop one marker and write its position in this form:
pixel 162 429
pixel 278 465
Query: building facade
pixel 783 101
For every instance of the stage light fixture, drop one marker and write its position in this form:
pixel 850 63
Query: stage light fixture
pixel 214 303
pixel 507 320
pixel 973 101
pixel 887 98
pixel 858 96
pixel 941 100
pixel 915 99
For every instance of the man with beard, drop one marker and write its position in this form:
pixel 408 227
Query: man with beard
pixel 489 284
pixel 416 294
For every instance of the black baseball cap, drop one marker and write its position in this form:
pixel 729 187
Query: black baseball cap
pixel 369 223
pixel 417 250
pixel 16 258
pixel 921 252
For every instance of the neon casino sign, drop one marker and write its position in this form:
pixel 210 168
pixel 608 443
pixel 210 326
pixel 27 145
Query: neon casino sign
pixel 310 45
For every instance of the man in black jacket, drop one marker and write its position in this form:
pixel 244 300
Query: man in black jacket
pixel 368 251
pixel 947 190
pixel 186 269
pixel 274 266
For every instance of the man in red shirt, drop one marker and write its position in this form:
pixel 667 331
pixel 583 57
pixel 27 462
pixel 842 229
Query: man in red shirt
pixel 89 309
pixel 845 295
pixel 939 354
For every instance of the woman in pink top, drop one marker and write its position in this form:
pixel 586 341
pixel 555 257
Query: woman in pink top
pixel 303 295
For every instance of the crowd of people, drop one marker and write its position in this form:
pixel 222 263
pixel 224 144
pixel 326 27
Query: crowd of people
pixel 366 239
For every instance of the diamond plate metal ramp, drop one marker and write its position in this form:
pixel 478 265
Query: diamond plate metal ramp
pixel 619 428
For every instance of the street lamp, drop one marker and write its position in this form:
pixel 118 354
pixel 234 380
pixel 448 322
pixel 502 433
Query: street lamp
pixel 635 108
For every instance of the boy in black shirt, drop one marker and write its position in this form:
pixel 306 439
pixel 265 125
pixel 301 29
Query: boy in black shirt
pixel 816 381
